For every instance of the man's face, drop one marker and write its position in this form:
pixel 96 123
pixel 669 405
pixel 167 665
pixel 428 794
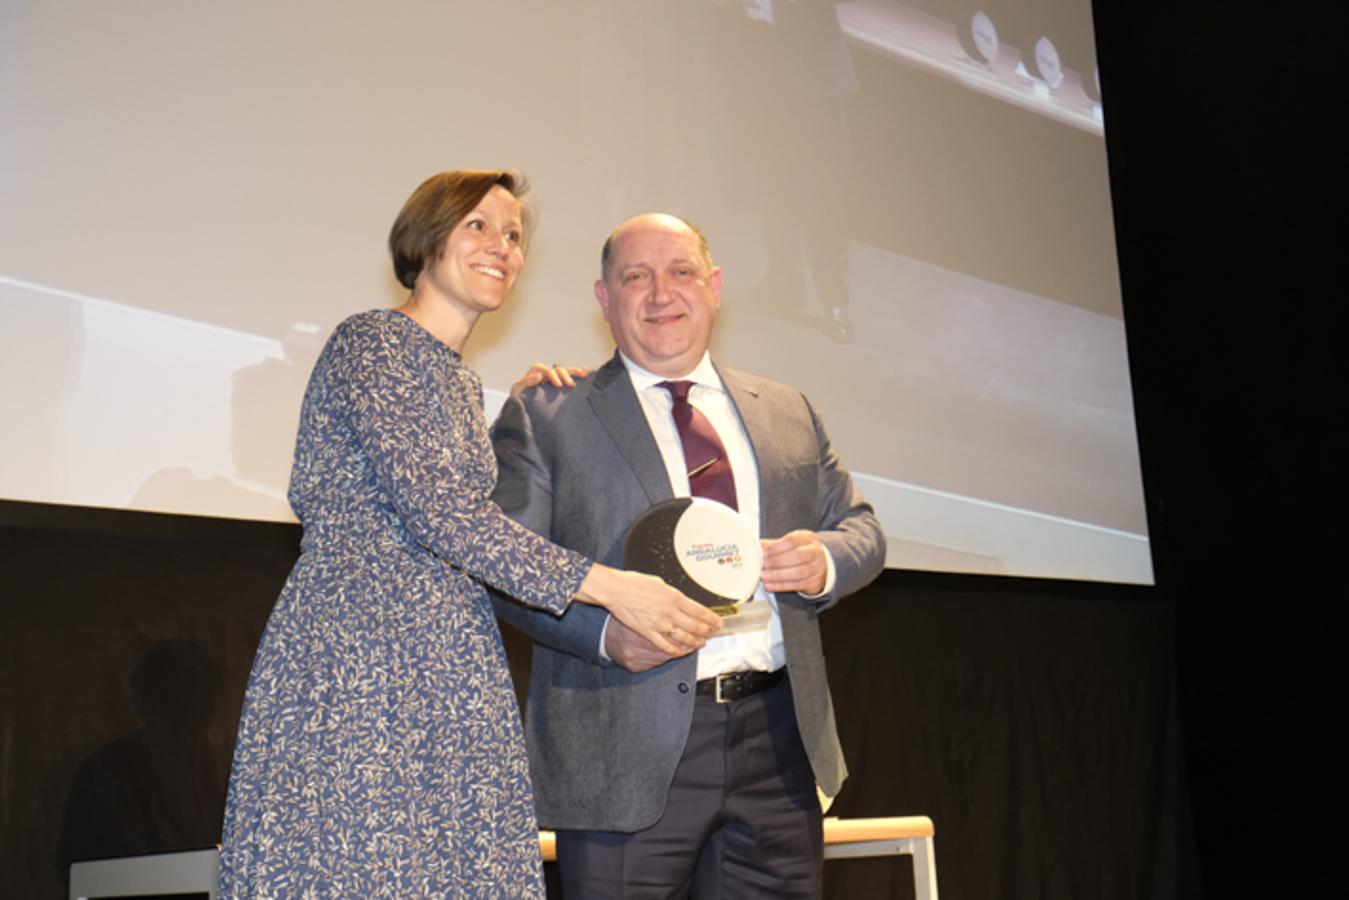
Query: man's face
pixel 660 297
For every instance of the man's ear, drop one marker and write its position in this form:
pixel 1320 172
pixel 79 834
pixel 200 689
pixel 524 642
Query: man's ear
pixel 602 295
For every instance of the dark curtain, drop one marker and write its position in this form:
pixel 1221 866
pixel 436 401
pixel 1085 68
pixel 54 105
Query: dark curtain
pixel 124 651
pixel 1034 722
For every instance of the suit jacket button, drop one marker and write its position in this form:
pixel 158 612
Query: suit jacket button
pixel 683 687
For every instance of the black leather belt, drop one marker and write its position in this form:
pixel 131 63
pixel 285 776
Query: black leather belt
pixel 739 685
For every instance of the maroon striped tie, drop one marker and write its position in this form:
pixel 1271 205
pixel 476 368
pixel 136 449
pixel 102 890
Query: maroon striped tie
pixel 709 470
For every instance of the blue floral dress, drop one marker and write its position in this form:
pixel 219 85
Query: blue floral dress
pixel 380 752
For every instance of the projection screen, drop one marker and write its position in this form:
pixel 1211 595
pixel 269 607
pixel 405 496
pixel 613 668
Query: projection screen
pixel 909 202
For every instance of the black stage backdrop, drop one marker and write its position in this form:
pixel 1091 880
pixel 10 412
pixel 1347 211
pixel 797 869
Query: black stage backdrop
pixel 1033 721
pixel 1222 167
pixel 1069 740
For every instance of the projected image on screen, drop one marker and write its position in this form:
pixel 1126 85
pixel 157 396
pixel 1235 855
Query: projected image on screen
pixel 909 202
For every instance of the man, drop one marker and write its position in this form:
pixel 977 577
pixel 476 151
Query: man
pixel 661 774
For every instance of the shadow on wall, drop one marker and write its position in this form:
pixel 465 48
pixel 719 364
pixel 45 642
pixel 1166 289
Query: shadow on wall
pixel 159 788
pixel 261 441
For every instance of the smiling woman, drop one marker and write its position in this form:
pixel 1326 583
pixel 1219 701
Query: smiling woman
pixel 439 204
pixel 380 752
pixel 469 268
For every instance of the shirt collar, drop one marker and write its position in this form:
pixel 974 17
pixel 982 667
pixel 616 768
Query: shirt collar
pixel 704 374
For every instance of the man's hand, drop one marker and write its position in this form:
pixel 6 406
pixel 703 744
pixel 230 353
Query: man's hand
pixel 557 376
pixel 796 563
pixel 630 650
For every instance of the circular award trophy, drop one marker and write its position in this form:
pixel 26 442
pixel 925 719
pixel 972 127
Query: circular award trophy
pixel 706 550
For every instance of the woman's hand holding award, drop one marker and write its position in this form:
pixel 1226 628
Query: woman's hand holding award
pixel 705 549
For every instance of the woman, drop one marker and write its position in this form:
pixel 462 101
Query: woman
pixel 380 751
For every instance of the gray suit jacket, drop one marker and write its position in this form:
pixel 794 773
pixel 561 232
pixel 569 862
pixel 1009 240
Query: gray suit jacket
pixel 577 466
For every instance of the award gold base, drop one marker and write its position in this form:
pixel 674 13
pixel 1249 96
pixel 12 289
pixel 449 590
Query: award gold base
pixel 740 617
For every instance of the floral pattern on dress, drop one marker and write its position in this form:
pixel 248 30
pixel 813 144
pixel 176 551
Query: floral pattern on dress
pixel 380 752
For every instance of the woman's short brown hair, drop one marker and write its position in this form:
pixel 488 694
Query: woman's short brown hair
pixel 439 203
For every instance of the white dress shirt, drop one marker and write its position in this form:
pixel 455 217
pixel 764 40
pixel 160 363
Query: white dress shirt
pixel 762 648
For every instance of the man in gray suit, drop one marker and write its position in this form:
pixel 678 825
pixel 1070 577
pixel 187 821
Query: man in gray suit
pixel 667 774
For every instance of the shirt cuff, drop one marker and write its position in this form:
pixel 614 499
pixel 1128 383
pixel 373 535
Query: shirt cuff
pixel 603 654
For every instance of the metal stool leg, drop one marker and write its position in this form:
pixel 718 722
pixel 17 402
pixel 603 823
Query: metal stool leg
pixel 924 870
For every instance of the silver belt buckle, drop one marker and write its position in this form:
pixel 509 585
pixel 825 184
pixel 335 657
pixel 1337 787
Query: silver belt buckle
pixel 717 690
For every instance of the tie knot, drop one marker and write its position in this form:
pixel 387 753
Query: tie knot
pixel 679 390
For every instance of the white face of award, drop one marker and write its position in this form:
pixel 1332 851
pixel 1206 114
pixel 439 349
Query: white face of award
pixel 719 549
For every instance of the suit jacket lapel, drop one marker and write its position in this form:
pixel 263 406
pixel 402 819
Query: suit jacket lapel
pixel 758 421
pixel 616 406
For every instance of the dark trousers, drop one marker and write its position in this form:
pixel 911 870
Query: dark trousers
pixel 742 819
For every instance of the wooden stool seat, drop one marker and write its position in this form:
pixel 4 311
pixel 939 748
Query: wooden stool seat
pixel 857 838
pixel 197 871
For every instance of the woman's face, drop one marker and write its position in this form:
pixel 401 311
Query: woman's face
pixel 480 258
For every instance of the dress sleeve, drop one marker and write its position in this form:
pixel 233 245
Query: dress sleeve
pixel 524 491
pixel 417 451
